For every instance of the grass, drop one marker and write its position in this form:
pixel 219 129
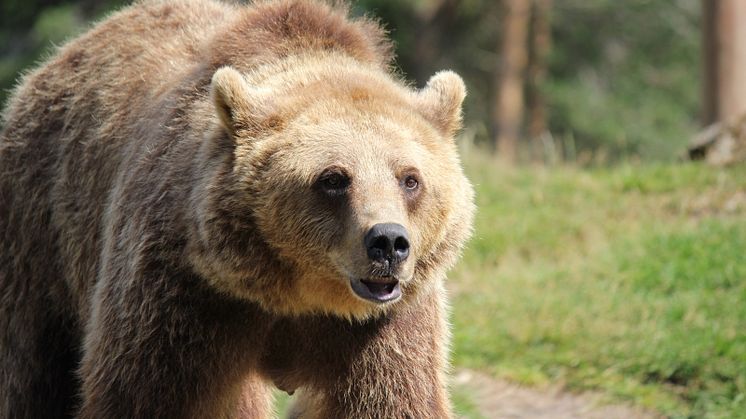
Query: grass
pixel 628 280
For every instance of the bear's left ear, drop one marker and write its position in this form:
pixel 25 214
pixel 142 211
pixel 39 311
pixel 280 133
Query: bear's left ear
pixel 239 106
pixel 441 100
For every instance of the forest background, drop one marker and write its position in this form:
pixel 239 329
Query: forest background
pixel 621 78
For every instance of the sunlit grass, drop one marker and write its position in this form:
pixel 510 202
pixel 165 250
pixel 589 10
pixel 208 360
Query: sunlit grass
pixel 629 280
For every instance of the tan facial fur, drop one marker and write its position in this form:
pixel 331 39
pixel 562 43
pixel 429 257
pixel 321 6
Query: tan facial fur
pixel 374 130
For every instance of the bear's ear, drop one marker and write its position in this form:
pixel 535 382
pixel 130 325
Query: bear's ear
pixel 239 106
pixel 440 101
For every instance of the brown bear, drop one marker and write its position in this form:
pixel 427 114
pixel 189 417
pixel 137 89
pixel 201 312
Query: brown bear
pixel 200 201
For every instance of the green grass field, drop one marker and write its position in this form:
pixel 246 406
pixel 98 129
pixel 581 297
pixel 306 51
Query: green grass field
pixel 628 280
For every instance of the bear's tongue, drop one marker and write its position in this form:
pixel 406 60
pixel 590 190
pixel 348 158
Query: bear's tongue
pixel 381 289
pixel 377 291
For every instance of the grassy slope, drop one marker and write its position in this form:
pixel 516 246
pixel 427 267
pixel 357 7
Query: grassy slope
pixel 629 280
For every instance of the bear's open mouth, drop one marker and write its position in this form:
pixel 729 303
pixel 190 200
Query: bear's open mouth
pixel 377 290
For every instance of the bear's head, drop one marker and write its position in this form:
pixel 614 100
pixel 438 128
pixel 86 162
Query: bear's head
pixel 333 188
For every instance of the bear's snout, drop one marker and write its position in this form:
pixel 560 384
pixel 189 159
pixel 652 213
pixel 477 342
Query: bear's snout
pixel 387 242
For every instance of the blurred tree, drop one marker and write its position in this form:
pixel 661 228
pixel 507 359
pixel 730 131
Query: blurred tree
pixel 709 61
pixel 723 141
pixel 510 76
pixel 724 60
pixel 526 43
pixel 540 46
pixel 624 78
pixel 31 28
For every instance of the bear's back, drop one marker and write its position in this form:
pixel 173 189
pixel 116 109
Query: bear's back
pixel 122 62
pixel 67 129
pixel 126 91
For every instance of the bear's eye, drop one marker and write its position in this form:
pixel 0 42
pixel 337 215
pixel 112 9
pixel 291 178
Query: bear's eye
pixel 411 183
pixel 333 182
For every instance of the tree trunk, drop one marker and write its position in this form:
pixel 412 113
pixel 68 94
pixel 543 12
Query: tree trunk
pixel 509 102
pixel 724 60
pixel 541 43
pixel 709 62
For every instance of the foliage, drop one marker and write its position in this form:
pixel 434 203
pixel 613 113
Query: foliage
pixel 623 76
pixel 29 30
pixel 629 280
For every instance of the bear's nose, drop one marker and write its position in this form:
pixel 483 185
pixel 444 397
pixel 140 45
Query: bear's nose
pixel 387 241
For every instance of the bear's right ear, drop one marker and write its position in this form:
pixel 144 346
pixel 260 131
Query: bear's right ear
pixel 441 100
pixel 239 106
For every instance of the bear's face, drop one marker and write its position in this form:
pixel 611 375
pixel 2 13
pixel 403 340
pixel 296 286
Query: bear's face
pixel 357 189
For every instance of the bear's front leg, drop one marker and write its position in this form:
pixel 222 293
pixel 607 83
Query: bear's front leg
pixel 393 367
pixel 161 345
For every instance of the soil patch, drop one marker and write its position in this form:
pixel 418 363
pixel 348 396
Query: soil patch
pixel 501 399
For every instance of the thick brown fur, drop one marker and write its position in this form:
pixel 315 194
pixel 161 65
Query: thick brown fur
pixel 165 250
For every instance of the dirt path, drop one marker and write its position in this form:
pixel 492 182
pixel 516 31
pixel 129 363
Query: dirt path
pixel 503 400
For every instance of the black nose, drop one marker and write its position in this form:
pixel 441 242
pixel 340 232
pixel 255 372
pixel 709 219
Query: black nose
pixel 387 241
